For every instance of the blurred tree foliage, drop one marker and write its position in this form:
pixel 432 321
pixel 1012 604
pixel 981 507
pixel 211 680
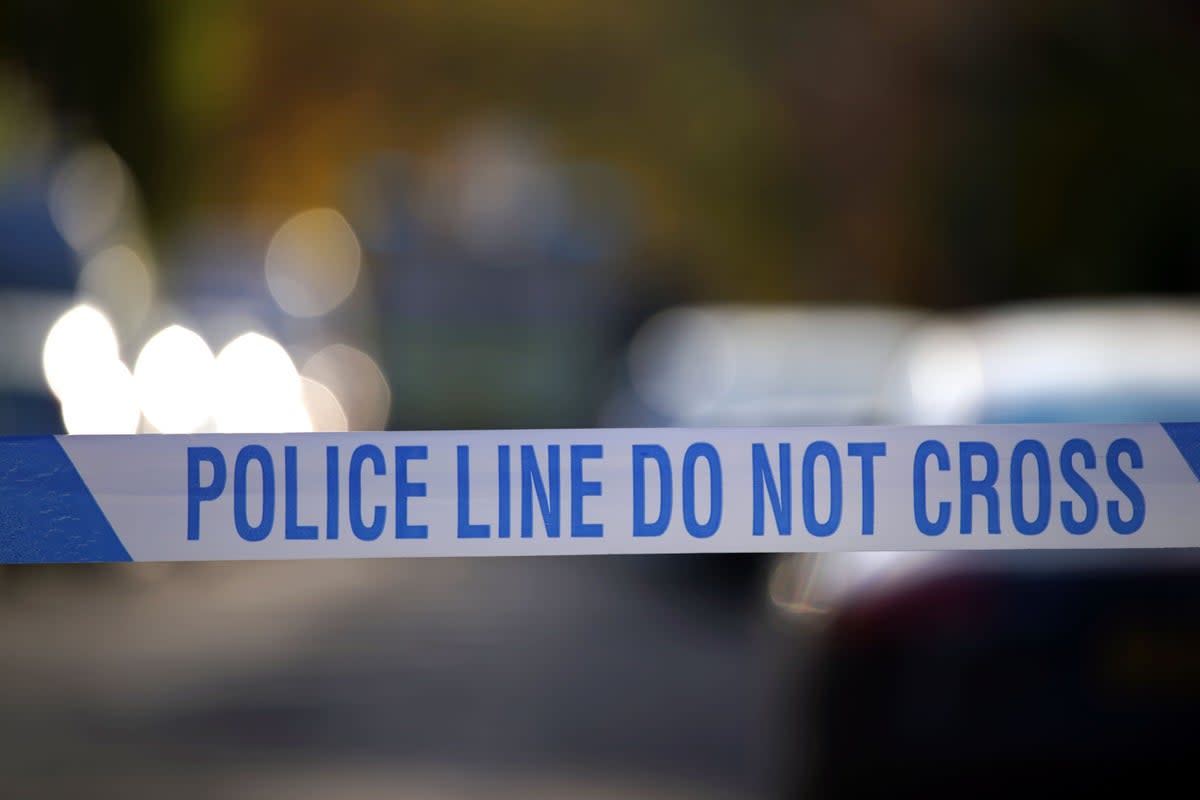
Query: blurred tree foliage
pixel 933 152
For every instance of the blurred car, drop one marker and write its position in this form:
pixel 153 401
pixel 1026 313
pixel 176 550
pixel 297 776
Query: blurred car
pixel 1001 672
pixel 730 365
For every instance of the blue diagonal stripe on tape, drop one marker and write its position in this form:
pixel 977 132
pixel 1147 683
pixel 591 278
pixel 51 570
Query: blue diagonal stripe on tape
pixel 1186 436
pixel 47 514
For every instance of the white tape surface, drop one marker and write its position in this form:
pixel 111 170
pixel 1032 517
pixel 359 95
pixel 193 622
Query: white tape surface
pixel 540 492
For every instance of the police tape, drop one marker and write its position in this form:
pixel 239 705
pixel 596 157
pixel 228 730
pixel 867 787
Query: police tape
pixel 561 492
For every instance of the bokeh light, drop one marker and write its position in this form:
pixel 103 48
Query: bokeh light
pixel 174 376
pixel 357 382
pixel 119 281
pixel 108 405
pixel 88 195
pixel 258 388
pixel 80 343
pixel 322 406
pixel 313 262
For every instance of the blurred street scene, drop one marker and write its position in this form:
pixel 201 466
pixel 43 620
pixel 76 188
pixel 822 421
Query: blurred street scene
pixel 268 216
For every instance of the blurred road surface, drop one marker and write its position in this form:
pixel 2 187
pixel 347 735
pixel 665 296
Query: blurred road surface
pixel 421 678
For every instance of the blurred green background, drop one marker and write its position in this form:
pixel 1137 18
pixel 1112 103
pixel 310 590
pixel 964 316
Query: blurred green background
pixel 940 153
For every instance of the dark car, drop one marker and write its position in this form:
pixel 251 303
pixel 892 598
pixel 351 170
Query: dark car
pixel 999 674
pixel 1011 673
